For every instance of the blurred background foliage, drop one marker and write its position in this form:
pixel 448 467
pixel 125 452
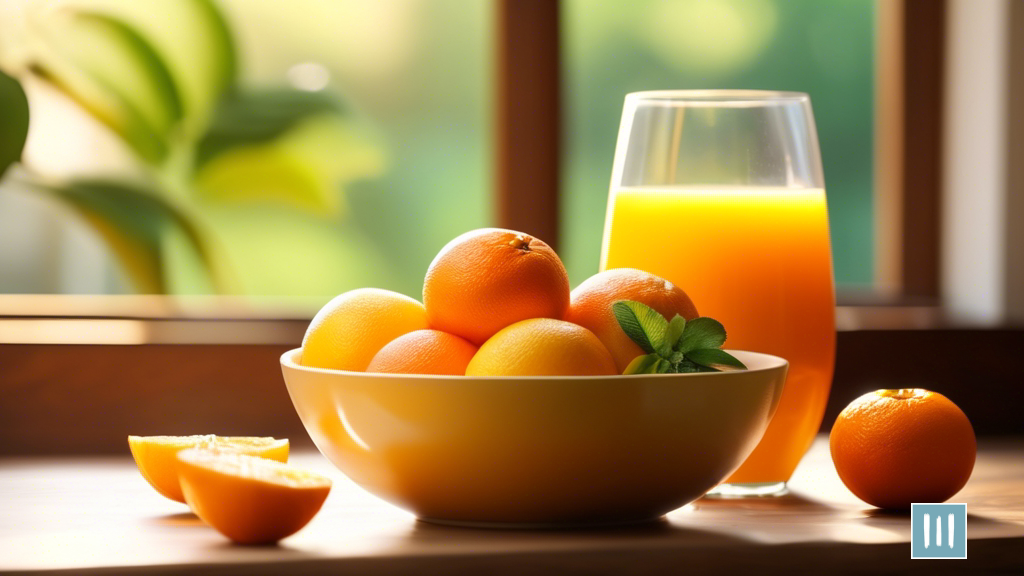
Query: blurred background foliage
pixel 264 148
pixel 251 168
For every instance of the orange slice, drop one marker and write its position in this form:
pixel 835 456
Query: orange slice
pixel 250 500
pixel 156 456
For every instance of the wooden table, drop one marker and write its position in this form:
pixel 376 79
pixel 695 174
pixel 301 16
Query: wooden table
pixel 97 515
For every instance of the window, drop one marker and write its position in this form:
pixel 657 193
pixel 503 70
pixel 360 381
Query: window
pixel 414 167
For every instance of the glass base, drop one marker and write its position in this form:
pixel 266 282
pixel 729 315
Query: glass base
pixel 748 490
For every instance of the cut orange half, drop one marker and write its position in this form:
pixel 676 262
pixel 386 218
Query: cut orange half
pixel 156 456
pixel 250 500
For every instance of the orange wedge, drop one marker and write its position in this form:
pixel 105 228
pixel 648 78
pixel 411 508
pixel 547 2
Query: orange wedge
pixel 250 500
pixel 156 456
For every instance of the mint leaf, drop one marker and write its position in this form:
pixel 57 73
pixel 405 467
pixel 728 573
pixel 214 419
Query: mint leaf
pixel 713 358
pixel 643 364
pixel 642 324
pixel 701 333
pixel 675 331
pixel 687 367
pixel 678 346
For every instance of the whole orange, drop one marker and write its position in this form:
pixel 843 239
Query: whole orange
pixel 347 332
pixel 424 352
pixel 591 306
pixel 542 347
pixel 487 279
pixel 895 447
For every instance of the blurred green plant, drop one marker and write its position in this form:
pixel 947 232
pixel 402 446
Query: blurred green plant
pixel 14 127
pixel 162 75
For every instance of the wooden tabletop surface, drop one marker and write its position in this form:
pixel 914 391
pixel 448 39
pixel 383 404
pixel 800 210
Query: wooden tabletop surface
pixel 97 515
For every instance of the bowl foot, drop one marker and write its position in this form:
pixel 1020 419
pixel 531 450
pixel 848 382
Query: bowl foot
pixel 540 525
pixel 748 490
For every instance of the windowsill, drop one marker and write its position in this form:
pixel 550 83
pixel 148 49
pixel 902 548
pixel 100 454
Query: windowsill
pixel 196 307
pixel 129 320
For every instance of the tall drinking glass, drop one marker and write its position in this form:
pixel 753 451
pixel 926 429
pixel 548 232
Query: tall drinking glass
pixel 722 193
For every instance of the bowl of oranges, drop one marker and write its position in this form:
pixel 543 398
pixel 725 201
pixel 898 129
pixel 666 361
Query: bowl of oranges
pixel 507 399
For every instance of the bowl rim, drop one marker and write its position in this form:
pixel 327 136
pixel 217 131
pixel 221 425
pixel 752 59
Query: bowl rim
pixel 289 360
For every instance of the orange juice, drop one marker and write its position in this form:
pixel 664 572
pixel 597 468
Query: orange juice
pixel 758 260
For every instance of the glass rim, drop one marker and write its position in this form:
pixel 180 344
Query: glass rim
pixel 717 97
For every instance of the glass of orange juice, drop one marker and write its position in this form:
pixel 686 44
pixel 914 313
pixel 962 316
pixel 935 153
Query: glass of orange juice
pixel 721 192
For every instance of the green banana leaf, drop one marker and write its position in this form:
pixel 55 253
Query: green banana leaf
pixel 133 223
pixel 115 74
pixel 251 117
pixel 285 146
pixel 13 121
pixel 192 39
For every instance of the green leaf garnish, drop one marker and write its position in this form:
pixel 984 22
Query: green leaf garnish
pixel 701 332
pixel 676 326
pixel 713 358
pixel 673 347
pixel 646 364
pixel 642 324
pixel 687 367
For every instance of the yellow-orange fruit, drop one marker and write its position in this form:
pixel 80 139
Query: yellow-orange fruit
pixel 157 456
pixel 248 499
pixel 487 279
pixel 424 352
pixel 347 332
pixel 591 306
pixel 542 347
pixel 895 447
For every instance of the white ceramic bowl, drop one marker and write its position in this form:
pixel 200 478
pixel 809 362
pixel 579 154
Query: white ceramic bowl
pixel 537 451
